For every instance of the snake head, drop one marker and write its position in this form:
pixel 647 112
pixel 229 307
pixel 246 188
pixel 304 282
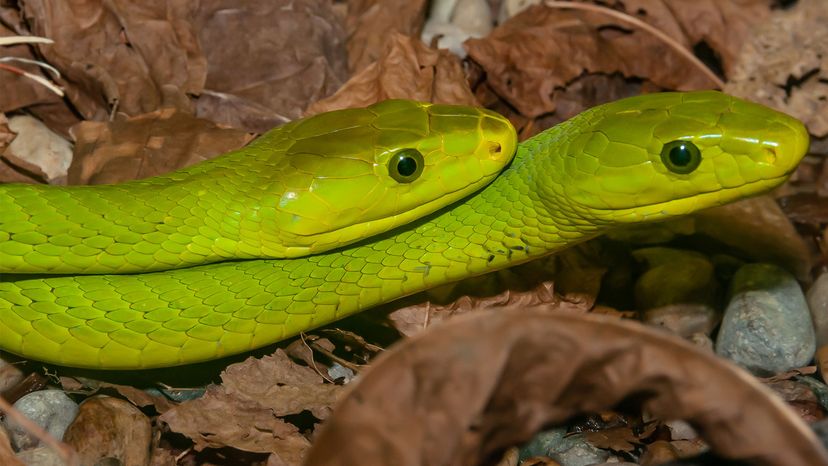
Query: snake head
pixel 662 155
pixel 357 172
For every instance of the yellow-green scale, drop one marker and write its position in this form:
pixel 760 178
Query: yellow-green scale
pixel 551 197
pixel 209 311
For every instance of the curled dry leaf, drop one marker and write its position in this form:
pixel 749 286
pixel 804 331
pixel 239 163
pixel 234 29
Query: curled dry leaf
pixel 269 60
pixel 244 411
pixel 569 280
pixel 806 208
pixel 759 229
pixel 721 26
pixel 147 145
pixel 784 64
pixel 370 23
pixel 135 395
pixel 119 52
pixel 6 453
pixel 407 69
pixel 475 386
pixel 110 428
pixel 533 55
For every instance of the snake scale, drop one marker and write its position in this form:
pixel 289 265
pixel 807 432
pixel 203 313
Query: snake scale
pixel 640 159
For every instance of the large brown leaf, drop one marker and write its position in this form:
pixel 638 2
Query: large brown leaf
pixel 475 386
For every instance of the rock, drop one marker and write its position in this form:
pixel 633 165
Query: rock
pixel 572 450
pixel 455 21
pixel 817 298
pixel 677 291
pixel 52 410
pixel 110 428
pixel 40 456
pixel 766 327
pixel 685 320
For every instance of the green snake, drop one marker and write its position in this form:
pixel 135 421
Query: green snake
pixel 640 159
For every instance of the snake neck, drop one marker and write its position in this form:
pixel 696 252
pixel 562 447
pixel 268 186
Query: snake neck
pixel 513 220
pixel 206 213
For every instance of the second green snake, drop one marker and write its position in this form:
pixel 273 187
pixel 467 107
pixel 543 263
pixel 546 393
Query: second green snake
pixel 640 159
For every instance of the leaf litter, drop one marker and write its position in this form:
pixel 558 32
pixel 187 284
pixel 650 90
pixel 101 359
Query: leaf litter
pixel 157 86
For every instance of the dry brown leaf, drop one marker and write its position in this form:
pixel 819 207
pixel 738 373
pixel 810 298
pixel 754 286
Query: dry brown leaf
pixel 137 396
pixel 147 145
pixel 107 427
pixel 806 208
pixel 722 26
pixel 281 385
pixel 7 456
pixel 7 136
pixel 119 52
pixel 268 60
pixel 569 280
pixel 370 23
pixel 16 91
pixel 621 438
pixel 244 411
pixel 759 229
pixel 469 388
pixel 536 53
pixel 407 69
pixel 216 421
pixel 784 64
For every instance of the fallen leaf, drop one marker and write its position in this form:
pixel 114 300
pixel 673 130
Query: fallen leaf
pixel 268 60
pixel 784 64
pixel 135 395
pixel 281 385
pixel 407 69
pixel 621 438
pixel 244 412
pixel 806 208
pixel 759 229
pixel 7 456
pixel 472 387
pixel 370 24
pixel 540 51
pixel 119 53
pixel 146 145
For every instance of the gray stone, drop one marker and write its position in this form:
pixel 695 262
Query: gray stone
pixel 572 450
pixel 817 298
pixel 766 327
pixel 40 456
pixel 50 409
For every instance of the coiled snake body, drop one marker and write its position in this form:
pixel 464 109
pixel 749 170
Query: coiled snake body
pixel 640 159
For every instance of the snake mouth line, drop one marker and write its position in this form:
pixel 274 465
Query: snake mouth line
pixel 652 208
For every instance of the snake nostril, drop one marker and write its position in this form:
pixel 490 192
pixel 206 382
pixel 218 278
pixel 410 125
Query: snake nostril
pixel 495 148
pixel 769 155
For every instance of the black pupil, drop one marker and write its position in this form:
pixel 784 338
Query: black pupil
pixel 680 156
pixel 406 166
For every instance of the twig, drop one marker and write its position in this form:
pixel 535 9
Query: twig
pixel 312 360
pixel 14 40
pixel 38 79
pixel 39 63
pixel 66 453
pixel 672 43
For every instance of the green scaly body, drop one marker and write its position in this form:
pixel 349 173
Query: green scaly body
pixel 303 188
pixel 596 172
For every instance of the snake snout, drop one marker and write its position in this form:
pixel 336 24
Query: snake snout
pixel 500 136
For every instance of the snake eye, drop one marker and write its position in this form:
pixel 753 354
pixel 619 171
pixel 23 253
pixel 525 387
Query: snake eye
pixel 681 157
pixel 406 165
